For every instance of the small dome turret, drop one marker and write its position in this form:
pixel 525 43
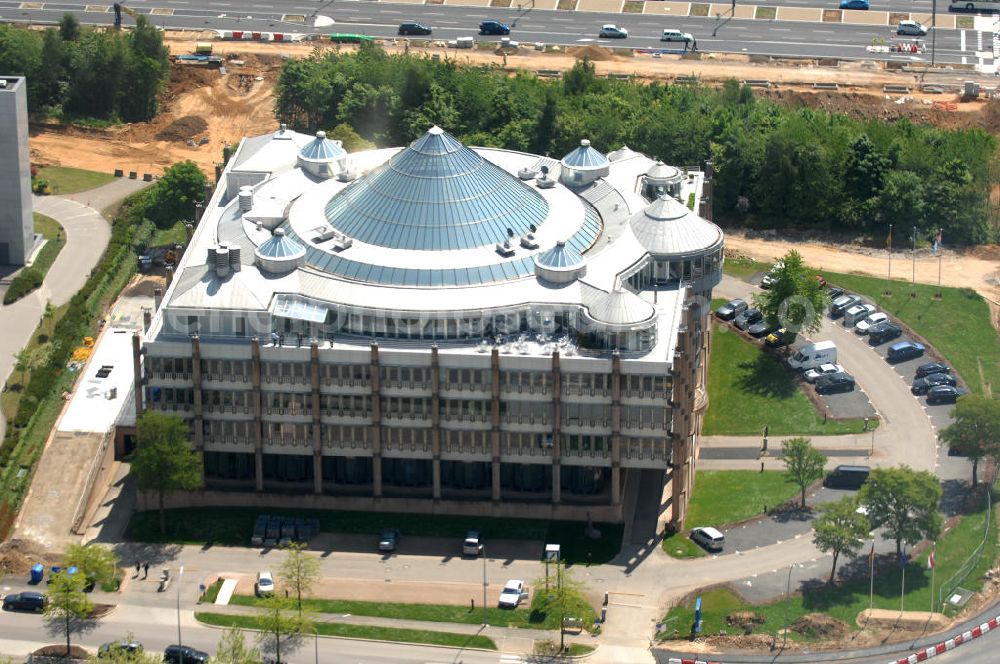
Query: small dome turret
pixel 561 264
pixel 583 165
pixel 322 157
pixel 280 254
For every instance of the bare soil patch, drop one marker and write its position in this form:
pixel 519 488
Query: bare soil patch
pixel 18 556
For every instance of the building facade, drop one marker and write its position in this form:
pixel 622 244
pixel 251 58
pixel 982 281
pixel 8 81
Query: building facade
pixel 439 328
pixel 16 221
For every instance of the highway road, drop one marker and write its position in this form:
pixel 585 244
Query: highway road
pixel 381 19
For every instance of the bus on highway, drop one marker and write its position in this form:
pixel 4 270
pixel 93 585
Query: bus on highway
pixel 342 38
pixel 975 6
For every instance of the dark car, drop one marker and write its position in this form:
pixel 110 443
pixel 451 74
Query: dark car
pixel 184 655
pixel 835 382
pixel 944 394
pixel 841 304
pixel 922 385
pixel 388 539
pixel 880 333
pixel 904 350
pixel 748 318
pixel 833 292
pixel 26 601
pixel 731 309
pixel 780 337
pixel 493 28
pixel 929 368
pixel 117 648
pixel 414 29
pixel 761 329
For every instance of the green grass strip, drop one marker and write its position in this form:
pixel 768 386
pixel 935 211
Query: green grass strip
pixel 65 180
pixel 729 496
pixel 372 632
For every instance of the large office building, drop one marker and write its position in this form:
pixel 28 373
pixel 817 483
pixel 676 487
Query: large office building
pixel 16 221
pixel 439 328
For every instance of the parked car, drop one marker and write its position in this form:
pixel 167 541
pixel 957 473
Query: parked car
pixel 472 545
pixel 904 350
pixel 857 313
pixel 176 654
pixel 923 385
pixel 612 31
pixel 835 382
pixel 929 368
pixel 414 29
pixel 882 332
pixel 26 601
pixel 847 477
pixel 780 337
pixel 491 27
pixel 748 318
pixel 864 326
pixel 388 539
pixel 943 394
pixel 912 28
pixel 264 586
pixel 119 648
pixel 709 537
pixel 833 292
pixel 854 4
pixel 731 309
pixel 761 329
pixel 842 304
pixel 513 593
pixel 813 374
pixel 671 35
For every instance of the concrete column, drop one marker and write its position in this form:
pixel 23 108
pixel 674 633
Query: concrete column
pixel 137 373
pixel 556 427
pixel 317 439
pixel 255 402
pixel 157 298
pixel 147 319
pixel 376 430
pixel 435 422
pixel 495 423
pixel 616 428
pixel 681 437
pixel 196 379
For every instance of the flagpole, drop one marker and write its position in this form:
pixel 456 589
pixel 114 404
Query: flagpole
pixel 933 568
pixel 902 585
pixel 871 583
pixel 888 285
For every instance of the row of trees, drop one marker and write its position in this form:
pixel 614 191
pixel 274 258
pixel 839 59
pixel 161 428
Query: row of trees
pixel 84 72
pixel 776 166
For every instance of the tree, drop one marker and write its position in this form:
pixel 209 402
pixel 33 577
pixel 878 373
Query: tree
pixel 163 460
pixel 803 463
pixel 565 598
pixel 69 27
pixel 840 529
pixel 351 139
pixel 233 649
pixel 99 564
pixel 48 315
pixel 299 572
pixel 904 503
pixel 69 608
pixel 23 363
pixel 279 626
pixel 865 169
pixel 795 299
pixel 975 433
pixel 181 186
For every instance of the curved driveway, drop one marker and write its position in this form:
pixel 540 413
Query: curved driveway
pixel 87 234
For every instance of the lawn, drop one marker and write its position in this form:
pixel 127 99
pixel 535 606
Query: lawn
pixel 535 617
pixel 65 180
pixel 728 496
pixel 365 632
pixel 845 601
pixel 744 268
pixel 749 389
pixel 29 279
pixel 974 352
pixel 679 545
pixel 232 526
pixel 176 234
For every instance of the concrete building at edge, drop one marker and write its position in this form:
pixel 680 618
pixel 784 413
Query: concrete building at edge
pixel 440 328
pixel 17 227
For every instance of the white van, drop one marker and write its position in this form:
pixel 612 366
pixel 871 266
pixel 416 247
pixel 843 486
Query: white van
pixel 709 537
pixel 813 355
pixel 857 313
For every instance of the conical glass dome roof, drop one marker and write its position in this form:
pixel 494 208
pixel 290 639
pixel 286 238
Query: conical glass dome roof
pixel 560 256
pixel 666 227
pixel 280 247
pixel 321 148
pixel 585 157
pixel 436 195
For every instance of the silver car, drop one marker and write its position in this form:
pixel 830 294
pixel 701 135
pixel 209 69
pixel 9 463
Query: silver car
pixel 912 28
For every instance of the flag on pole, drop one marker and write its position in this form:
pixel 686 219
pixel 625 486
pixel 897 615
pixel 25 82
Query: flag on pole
pixel 903 559
pixel 930 561
pixel 888 238
pixel 871 555
pixel 937 242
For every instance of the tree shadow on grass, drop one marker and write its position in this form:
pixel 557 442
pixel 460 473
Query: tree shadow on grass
pixel 765 377
pixel 793 514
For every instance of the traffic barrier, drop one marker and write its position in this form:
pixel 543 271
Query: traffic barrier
pixel 757 83
pixel 896 89
pixel 132 175
pixel 619 77
pixel 548 73
pixel 825 86
pixel 119 173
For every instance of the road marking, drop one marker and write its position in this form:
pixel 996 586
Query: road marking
pixel 961 43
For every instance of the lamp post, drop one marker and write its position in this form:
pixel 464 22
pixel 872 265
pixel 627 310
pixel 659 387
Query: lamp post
pixel 913 257
pixel 788 592
pixel 180 577
pixel 483 554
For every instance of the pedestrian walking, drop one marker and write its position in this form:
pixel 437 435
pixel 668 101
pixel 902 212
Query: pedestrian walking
pixel 145 570
pixel 137 566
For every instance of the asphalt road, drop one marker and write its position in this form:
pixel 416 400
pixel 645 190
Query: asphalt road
pixel 380 19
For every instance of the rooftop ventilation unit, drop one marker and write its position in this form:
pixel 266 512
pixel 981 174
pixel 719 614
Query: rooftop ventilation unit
pixel 528 241
pixel 504 249
pixel 545 183
pixel 526 174
pixel 222 261
pixel 246 198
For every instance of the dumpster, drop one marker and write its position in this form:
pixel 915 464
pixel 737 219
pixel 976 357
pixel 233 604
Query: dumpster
pixel 37 573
